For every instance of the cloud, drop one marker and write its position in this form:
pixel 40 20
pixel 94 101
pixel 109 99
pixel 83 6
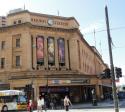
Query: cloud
pixel 94 26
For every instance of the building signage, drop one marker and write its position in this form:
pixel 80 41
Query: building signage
pixel 49 21
pixel 74 81
pixel 60 81
pixel 81 81
pixel 54 89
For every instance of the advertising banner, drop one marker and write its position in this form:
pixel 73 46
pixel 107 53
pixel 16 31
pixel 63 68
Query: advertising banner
pixel 61 50
pixel 40 49
pixel 51 50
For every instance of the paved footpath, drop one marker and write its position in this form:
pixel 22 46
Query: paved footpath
pixel 86 110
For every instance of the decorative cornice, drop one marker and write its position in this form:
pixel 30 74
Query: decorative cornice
pixel 28 24
pixel 48 74
pixel 44 15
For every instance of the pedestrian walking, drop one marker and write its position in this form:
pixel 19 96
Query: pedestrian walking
pixel 30 105
pixel 67 103
pixel 40 104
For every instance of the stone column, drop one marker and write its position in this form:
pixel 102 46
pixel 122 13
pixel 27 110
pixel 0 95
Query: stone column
pixel 98 92
pixel 66 54
pixel 36 90
pixel 34 51
pixel 45 53
pixel 56 54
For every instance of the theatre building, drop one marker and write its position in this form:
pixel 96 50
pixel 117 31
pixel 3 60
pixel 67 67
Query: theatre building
pixel 50 53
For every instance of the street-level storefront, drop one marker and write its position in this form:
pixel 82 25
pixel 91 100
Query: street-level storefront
pixel 105 87
pixel 77 87
pixel 79 93
pixel 79 90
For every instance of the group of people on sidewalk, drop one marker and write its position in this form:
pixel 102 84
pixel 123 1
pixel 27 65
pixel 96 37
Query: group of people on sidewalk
pixel 41 104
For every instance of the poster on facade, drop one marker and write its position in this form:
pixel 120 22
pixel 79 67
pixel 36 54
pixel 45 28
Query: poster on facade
pixel 40 49
pixel 51 50
pixel 61 50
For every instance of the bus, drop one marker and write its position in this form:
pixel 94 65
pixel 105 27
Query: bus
pixel 12 100
pixel 121 91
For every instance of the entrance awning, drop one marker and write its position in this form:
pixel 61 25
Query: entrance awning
pixel 106 85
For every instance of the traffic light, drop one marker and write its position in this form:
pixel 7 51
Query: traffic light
pixel 106 74
pixel 118 72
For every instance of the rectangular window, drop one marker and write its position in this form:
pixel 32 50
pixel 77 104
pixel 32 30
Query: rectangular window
pixel 19 21
pixel 3 45
pixel 18 42
pixel 17 61
pixel 2 63
pixel 78 43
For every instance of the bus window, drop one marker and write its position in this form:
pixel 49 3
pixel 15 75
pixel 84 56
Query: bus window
pixel 22 99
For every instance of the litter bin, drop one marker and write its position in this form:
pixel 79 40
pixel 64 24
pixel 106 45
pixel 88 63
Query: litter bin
pixel 94 102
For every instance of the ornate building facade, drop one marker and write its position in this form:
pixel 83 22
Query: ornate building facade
pixel 50 53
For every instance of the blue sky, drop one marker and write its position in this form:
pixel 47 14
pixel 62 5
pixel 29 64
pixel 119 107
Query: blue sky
pixel 91 15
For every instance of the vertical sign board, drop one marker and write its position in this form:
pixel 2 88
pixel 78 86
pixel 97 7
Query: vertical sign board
pixel 40 49
pixel 51 51
pixel 61 50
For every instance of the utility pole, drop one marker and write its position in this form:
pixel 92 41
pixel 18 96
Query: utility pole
pixel 94 38
pixel 115 97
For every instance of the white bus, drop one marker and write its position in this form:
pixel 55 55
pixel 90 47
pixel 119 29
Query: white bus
pixel 12 100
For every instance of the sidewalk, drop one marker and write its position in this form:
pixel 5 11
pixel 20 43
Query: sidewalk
pixel 104 104
pixel 107 104
pixel 90 105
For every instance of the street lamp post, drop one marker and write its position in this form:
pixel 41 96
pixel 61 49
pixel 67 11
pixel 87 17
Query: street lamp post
pixel 115 97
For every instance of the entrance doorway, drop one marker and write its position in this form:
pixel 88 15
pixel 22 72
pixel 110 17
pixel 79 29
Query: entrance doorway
pixel 87 95
pixel 54 95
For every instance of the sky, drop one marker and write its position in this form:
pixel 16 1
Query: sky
pixel 91 16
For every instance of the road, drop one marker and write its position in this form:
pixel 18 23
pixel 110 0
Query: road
pixel 87 110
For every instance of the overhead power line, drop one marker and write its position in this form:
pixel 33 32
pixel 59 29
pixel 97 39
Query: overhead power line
pixel 98 31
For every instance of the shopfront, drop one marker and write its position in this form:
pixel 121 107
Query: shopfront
pixel 79 90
